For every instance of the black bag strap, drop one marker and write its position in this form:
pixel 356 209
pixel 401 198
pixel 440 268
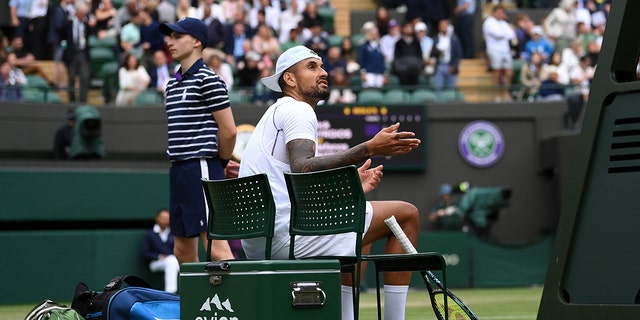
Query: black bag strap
pixel 116 282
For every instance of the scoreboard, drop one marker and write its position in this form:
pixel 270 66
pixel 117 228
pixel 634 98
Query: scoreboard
pixel 341 127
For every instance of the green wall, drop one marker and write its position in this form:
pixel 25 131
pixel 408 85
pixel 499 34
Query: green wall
pixel 90 194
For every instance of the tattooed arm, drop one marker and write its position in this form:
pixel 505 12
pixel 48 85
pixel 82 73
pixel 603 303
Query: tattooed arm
pixel 387 142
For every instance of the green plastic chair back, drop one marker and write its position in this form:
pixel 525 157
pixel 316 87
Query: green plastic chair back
pixel 332 202
pixel 370 96
pixel 329 202
pixel 395 96
pixel 423 96
pixel 149 97
pixel 240 208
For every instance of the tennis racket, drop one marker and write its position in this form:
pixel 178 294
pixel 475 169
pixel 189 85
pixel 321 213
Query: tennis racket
pixel 456 310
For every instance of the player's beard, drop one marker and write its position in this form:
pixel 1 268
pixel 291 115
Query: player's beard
pixel 317 93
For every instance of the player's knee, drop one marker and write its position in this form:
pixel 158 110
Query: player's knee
pixel 409 214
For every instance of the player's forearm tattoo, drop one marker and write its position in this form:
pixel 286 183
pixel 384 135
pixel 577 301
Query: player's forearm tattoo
pixel 302 151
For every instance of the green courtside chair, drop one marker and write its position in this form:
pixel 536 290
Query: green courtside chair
pixel 240 208
pixel 332 202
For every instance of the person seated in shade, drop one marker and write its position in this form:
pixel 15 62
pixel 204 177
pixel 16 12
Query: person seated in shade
pixel 157 251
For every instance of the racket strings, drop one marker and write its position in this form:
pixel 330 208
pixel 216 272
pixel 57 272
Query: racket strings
pixel 455 311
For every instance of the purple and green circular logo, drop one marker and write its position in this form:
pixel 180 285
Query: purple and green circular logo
pixel 481 144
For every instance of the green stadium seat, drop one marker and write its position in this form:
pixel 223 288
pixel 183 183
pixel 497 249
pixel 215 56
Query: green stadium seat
pixel 451 96
pixel 396 96
pixel 422 96
pixel 335 40
pixel 327 14
pixel 98 56
pixel 370 96
pixel 37 81
pixel 237 97
pixel 149 97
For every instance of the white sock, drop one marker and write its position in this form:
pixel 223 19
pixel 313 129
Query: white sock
pixel 395 300
pixel 347 302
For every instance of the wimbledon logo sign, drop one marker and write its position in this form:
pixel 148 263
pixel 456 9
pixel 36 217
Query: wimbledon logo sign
pixel 481 144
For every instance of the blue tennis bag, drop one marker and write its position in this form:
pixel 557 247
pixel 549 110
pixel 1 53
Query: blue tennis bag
pixel 137 301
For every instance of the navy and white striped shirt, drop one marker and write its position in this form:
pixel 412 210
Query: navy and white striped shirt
pixel 190 103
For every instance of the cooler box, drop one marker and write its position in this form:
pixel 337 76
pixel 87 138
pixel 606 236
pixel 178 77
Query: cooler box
pixel 260 289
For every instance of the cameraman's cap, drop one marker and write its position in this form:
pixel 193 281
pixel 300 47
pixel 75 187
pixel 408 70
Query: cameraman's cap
pixel 191 26
pixel 286 60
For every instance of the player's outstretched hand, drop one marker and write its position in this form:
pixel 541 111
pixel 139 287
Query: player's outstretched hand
pixel 390 142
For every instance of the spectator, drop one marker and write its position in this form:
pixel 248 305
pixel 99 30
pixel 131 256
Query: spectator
pixel 465 12
pixel 216 29
pixel 249 70
pixel 531 77
pixel 318 42
pixel 560 24
pixel 20 17
pixel 216 10
pixel 416 10
pixel 448 52
pixel 76 55
pixel 233 45
pixel 550 88
pixel 271 15
pixel 293 39
pixel 497 36
pixel 157 251
pixel 62 138
pixel 23 59
pixel 334 61
pixel 340 87
pixel 388 41
pixel 268 46
pixel 408 63
pixel 230 9
pixel 310 16
pixel 349 54
pixel 10 88
pixel 166 11
pixel 217 63
pixel 571 56
pixel 185 9
pixel 435 11
pixel 289 20
pixel 371 60
pixel 538 43
pixel 105 14
pixel 557 64
pixel 159 72
pixel 132 79
pixel 443 215
pixel 125 13
pixel 582 75
pixel 130 37
pixel 426 44
pixel 523 33
pixel 36 33
pixel 57 20
pixel 383 20
pixel 151 40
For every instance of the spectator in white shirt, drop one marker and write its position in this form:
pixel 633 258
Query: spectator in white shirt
pixel 498 34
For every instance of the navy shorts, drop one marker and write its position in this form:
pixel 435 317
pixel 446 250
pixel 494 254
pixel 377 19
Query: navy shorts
pixel 187 203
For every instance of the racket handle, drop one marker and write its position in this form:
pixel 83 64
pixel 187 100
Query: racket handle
pixel 400 235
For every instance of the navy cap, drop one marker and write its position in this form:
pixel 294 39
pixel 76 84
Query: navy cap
pixel 191 26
